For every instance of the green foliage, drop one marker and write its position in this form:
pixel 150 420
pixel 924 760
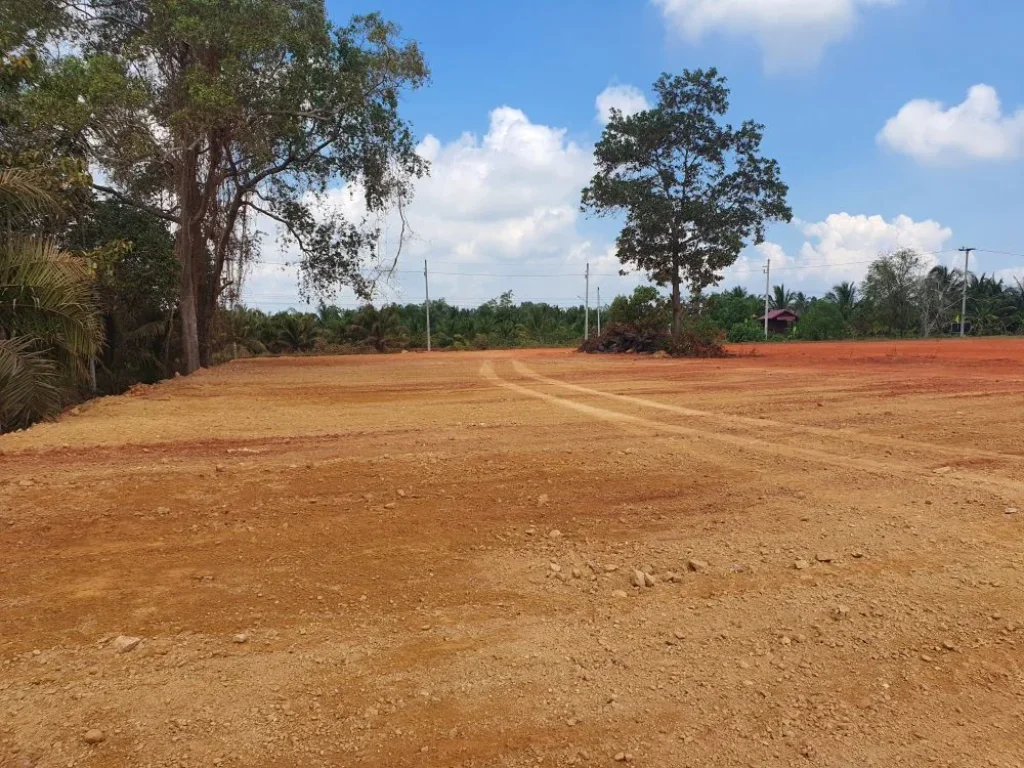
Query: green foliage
pixel 844 295
pixel 781 298
pixel 645 308
pixel 208 112
pixel 379 328
pixel 745 332
pixel 734 308
pixel 892 289
pixel 694 189
pixel 136 286
pixel 49 326
pixel 29 383
pixel 991 308
pixel 824 321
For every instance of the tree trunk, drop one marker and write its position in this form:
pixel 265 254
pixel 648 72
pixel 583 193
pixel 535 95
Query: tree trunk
pixel 207 317
pixel 677 300
pixel 185 246
pixel 167 342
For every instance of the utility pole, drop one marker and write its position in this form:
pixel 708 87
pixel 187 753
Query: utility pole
pixel 426 286
pixel 599 311
pixel 767 292
pixel 963 306
pixel 586 308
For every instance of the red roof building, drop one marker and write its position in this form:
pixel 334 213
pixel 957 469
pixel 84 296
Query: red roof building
pixel 780 320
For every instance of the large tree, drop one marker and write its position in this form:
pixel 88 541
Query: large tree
pixel 694 189
pixel 892 289
pixel 216 115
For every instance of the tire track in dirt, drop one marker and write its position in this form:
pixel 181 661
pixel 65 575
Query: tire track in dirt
pixel 723 418
pixel 888 468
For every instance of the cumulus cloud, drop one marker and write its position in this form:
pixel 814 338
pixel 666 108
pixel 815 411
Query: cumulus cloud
pixel 504 203
pixel 1012 276
pixel 628 99
pixel 509 195
pixel 842 246
pixel 977 129
pixel 791 33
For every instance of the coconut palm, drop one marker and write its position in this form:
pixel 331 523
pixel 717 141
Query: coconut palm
pixel 990 306
pixel 781 298
pixel 844 295
pixel 49 324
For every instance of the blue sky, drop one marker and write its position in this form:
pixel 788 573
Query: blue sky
pixel 896 122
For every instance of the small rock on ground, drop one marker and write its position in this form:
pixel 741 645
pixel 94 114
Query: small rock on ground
pixel 125 644
pixel 94 736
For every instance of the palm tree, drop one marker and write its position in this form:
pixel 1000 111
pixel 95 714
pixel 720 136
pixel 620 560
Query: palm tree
pixel 990 306
pixel 49 322
pixel 379 328
pixel 844 295
pixel 781 298
pixel 296 331
pixel 1016 296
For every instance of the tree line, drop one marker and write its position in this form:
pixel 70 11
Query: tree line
pixel 499 323
pixel 900 297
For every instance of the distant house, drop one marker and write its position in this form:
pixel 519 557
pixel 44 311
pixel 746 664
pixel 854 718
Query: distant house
pixel 780 320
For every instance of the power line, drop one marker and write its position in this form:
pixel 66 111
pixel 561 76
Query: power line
pixel 1000 253
pixel 288 299
pixel 547 275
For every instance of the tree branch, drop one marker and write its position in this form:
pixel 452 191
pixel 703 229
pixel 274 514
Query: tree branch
pixel 151 209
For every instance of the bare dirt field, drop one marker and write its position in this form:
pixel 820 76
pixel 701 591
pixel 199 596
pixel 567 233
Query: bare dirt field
pixel 431 560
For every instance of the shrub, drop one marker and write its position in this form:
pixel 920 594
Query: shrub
pixel 822 322
pixel 745 332
pixel 698 339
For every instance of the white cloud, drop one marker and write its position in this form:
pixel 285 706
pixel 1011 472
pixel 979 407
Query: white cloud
pixel 505 203
pixel 512 194
pixel 843 238
pixel 793 34
pixel 977 128
pixel 842 246
pixel 1011 276
pixel 628 99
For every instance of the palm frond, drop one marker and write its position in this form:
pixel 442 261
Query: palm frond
pixel 47 294
pixel 22 191
pixel 28 383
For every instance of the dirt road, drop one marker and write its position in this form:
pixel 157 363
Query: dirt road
pixel 431 560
